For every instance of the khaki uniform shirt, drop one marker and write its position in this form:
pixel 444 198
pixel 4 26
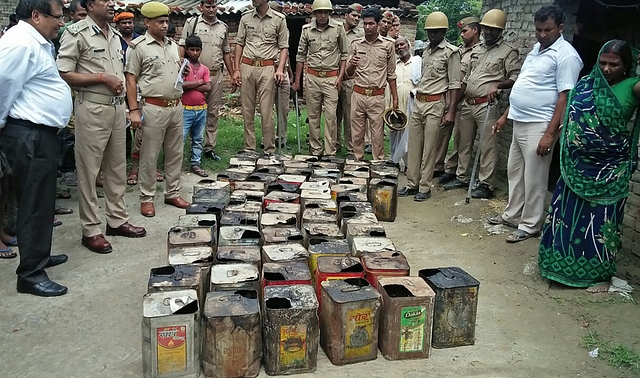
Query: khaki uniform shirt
pixel 490 64
pixel 262 38
pixel 465 58
pixel 353 34
pixel 85 49
pixel 324 49
pixel 377 64
pixel 155 66
pixel 440 69
pixel 215 40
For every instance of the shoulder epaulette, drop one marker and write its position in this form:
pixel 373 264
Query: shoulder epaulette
pixel 78 27
pixel 306 26
pixel 388 39
pixel 281 15
pixel 137 41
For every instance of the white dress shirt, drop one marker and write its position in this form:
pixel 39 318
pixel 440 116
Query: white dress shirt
pixel 543 76
pixel 32 88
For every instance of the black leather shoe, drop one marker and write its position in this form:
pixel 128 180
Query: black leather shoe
pixel 455 184
pixel 482 191
pixel 446 177
pixel 437 174
pixel 421 197
pixel 406 191
pixel 46 288
pixel 212 155
pixel 57 260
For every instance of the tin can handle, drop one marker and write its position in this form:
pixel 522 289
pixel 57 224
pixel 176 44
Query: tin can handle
pixel 241 251
pixel 373 244
pixel 351 288
pixel 288 269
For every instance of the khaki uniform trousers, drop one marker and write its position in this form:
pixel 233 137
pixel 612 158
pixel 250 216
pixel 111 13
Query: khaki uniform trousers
pixel 343 115
pixel 321 94
pixel 282 108
pixel 214 103
pixel 471 119
pixel 451 162
pixel 424 129
pixel 162 128
pixel 528 175
pixel 367 109
pixel 258 82
pixel 137 143
pixel 100 141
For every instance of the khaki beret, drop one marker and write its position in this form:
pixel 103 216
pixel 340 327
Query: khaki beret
pixel 355 7
pixel 154 9
pixel 466 21
pixel 276 6
pixel 388 15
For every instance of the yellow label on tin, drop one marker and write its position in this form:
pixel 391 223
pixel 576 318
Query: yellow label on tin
pixel 359 335
pixel 293 345
pixel 172 349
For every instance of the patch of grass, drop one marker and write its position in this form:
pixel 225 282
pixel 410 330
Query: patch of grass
pixel 619 356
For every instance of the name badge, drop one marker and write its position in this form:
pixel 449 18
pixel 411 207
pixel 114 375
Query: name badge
pixel 98 50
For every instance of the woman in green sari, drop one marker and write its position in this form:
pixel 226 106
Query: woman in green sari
pixel 598 154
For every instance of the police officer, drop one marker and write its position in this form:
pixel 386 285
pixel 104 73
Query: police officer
pixel 386 23
pixel 372 61
pixel 283 93
pixel 470 34
pixel 343 114
pixel 323 46
pixel 153 63
pixel 90 59
pixel 440 77
pixel 262 41
pixel 494 66
pixel 215 51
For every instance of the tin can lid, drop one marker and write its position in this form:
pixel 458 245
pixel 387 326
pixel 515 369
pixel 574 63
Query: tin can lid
pixel 350 290
pixel 334 246
pixel 212 185
pixel 278 219
pixel 165 303
pixel 299 179
pixel 318 203
pixel 249 185
pixel 385 260
pixel 320 215
pixel 285 252
pixel 247 207
pixel 282 196
pixel 231 303
pixel 182 275
pixel 339 188
pixel 323 229
pixel 239 253
pixel 281 234
pixel 234 273
pixel 284 297
pixel 283 207
pixel 241 162
pixel 190 236
pixel 356 206
pixel 366 218
pixel 399 287
pixel 239 232
pixel 333 264
pixel 323 193
pixel 288 270
pixel 369 245
pixel 197 220
pixel 315 185
pixel 191 255
pixel 448 278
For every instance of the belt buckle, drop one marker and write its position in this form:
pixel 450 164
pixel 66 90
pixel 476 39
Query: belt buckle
pixel 257 63
pixel 172 102
pixel 322 73
pixel 368 92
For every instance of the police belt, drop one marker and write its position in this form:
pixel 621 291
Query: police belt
pixel 322 73
pixel 257 62
pixel 100 98
pixel 428 98
pixel 368 91
pixel 477 100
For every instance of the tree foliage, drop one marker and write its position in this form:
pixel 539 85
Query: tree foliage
pixel 455 11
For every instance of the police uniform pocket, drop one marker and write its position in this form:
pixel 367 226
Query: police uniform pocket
pixel 315 45
pixel 380 61
pixel 270 35
pixel 152 64
pixel 98 57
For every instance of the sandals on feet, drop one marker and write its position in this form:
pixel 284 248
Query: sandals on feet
pixel 520 235
pixel 159 176
pixel 132 179
pixel 8 253
pixel 498 219
pixel 63 210
pixel 199 171
pixel 62 194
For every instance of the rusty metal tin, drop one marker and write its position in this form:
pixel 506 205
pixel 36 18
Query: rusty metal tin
pixel 248 185
pixel 384 264
pixel 177 277
pixel 235 162
pixel 306 172
pixel 235 174
pixel 248 155
pixel 306 158
pixel 335 160
pixel 249 195
pixel 283 208
pixel 270 161
pixel 336 268
pixel 356 174
pixel 295 164
pixel 231 218
pixel 283 186
pixel 286 273
pixel 326 247
pixel 359 166
pixel 324 194
pixel 348 209
pixel 314 203
pixel 363 183
pixel 294 179
pixel 351 197
pixel 271 169
pixel 239 235
pixel 211 191
pixel 235 276
pixel 383 194
pixel 365 230
pixel 199 220
pixel 349 321
pixel 384 172
pixel 246 207
pixel 171 334
pixel 455 308
pixel 315 185
pixel 232 334
pixel 278 220
pixel 320 216
pixel 337 189
pixel 279 235
pixel 329 173
pixel 239 254
pixel 324 165
pixel 362 218
pixel 206 208
pixel 189 237
pixel 284 252
pixel 361 245
pixel 281 197
pixel 406 317
pixel 331 180
pixel 290 329
pixel 320 231
pixel 202 257
pixel 262 177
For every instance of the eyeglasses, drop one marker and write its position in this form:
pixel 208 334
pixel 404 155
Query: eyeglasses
pixel 58 18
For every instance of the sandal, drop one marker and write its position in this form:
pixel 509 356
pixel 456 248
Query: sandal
pixel 498 219
pixel 62 194
pixel 8 253
pixel 199 171
pixel 132 179
pixel 57 223
pixel 13 242
pixel 63 210
pixel 520 235
pixel 159 176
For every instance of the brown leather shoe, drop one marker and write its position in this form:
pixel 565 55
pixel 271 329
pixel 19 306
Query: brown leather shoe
pixel 177 202
pixel 147 209
pixel 127 230
pixel 97 244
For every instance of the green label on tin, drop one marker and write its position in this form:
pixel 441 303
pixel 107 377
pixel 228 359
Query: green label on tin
pixel 412 328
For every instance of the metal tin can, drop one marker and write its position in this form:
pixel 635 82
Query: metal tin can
pixel 349 321
pixel 384 171
pixel 263 177
pixel 286 273
pixel 321 247
pixel 353 166
pixel 320 216
pixel 306 158
pixel 248 185
pixel 284 252
pixel 364 230
pixel 200 220
pixel 361 218
pixel 313 203
pixel 239 254
pixel 234 276
pixel 189 237
pixel 234 218
pixel 232 334
pixel 271 169
pixel 283 207
pixel 279 235
pixel 278 220
pixel 324 194
pixel 356 174
pixel 350 209
pixel 384 264
pixel 361 245
pixel 337 189
pixel 306 172
pixel 281 197
pixel 327 173
pixel 202 257
pixel 246 207
pixel 283 186
pixel 206 208
pixel 239 235
pixel 336 268
pixel 324 165
pixel 235 162
pixel 351 197
pixel 290 329
pixel 383 194
pixel 295 179
pixel 235 174
pixel 320 231
pixel 270 161
pixel 406 317
pixel 211 191
pixel 362 183
pixel 295 164
pixel 456 306
pixel 249 195
pixel 315 185
pixel 170 334
pixel 177 277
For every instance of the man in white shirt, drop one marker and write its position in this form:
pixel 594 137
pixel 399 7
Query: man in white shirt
pixel 537 106
pixel 35 104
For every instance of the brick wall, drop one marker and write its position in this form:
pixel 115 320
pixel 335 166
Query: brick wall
pixel 519 31
pixel 6 8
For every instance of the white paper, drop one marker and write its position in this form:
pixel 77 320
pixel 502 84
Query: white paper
pixel 179 79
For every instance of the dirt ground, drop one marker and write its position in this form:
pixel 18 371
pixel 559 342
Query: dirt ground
pixel 525 327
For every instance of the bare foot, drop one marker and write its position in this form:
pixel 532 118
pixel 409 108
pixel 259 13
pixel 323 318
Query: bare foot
pixel 602 288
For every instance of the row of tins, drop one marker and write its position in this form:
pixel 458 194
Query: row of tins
pixel 281 255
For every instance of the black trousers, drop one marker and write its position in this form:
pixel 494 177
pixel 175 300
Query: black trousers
pixel 33 153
